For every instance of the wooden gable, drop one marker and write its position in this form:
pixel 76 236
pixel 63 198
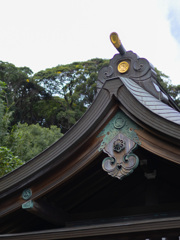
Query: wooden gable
pixel 114 174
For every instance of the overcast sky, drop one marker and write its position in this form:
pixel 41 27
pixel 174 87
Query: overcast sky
pixel 42 34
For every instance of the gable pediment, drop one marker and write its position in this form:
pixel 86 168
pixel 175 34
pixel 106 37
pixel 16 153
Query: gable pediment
pixel 130 132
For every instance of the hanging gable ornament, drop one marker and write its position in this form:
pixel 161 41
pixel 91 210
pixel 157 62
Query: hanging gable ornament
pixel 121 161
pixel 119 142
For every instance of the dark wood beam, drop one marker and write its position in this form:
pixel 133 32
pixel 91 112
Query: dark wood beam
pixel 143 229
pixel 46 211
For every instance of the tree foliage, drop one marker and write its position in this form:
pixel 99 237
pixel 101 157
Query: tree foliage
pixel 36 109
pixel 73 87
pixel 173 90
pixel 21 93
pixel 27 141
pixel 8 162
pixel 2 109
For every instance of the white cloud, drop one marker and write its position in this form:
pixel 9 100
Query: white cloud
pixel 44 33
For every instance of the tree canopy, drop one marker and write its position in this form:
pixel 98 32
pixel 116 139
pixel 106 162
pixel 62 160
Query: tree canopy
pixel 36 109
pixel 27 141
pixel 172 90
pixel 72 88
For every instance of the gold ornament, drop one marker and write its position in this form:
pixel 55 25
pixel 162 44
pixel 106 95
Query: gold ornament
pixel 123 67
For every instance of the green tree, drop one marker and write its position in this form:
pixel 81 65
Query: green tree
pixel 75 86
pixel 15 79
pixel 23 140
pixel 2 109
pixel 5 114
pixel 21 93
pixel 8 162
pixel 72 81
pixel 55 111
pixel 172 90
pixel 27 141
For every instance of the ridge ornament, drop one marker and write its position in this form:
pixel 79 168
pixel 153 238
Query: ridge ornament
pixel 121 161
pixel 123 67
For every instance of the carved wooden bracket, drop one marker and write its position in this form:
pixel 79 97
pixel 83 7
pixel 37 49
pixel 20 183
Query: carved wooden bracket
pixel 121 161
pixel 46 211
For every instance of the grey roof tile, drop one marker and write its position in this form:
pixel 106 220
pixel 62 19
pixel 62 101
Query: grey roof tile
pixel 150 102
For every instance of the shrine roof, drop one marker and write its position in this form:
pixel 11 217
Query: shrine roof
pixel 152 103
pixel 128 84
pixel 130 108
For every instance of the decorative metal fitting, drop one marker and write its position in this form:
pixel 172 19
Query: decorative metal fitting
pixel 119 122
pixel 27 205
pixel 26 194
pixel 121 160
pixel 119 145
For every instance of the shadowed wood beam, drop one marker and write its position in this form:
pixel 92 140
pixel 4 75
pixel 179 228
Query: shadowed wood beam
pixel 46 211
pixel 169 227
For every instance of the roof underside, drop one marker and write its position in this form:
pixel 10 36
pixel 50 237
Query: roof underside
pixel 93 200
pixel 67 179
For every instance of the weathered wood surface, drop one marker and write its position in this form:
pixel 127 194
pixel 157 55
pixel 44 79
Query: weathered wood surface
pixel 160 137
pixel 68 175
pixel 110 229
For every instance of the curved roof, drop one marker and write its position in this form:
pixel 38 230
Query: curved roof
pixel 103 108
pixel 159 133
pixel 150 102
